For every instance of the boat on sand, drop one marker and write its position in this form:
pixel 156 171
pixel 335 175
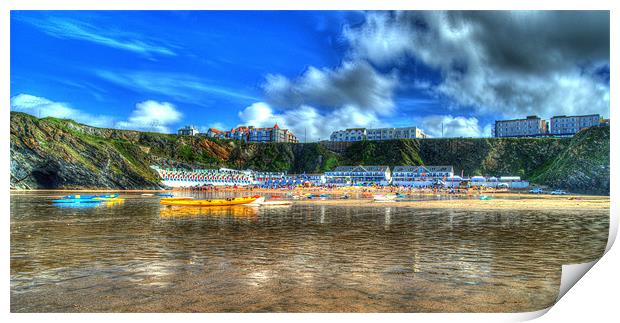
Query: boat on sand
pixel 211 202
pixel 261 202
pixel 384 198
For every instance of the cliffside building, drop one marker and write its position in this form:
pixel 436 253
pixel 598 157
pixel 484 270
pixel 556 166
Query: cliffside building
pixel 188 131
pixel 251 134
pixel 359 134
pixel 531 126
pixel 395 133
pixel 570 125
pixel 348 135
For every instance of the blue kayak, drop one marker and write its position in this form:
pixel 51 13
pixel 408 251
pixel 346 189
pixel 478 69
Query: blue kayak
pixel 78 200
pixel 88 197
pixel 108 196
pixel 165 194
pixel 79 197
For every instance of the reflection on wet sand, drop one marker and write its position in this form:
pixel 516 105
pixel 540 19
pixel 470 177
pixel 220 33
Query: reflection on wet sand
pixel 140 257
pixel 89 205
pixel 237 211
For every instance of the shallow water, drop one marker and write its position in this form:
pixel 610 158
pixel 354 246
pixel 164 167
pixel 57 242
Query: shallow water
pixel 138 256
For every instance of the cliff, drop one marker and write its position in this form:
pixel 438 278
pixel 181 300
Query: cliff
pixel 583 166
pixel 471 156
pixel 55 153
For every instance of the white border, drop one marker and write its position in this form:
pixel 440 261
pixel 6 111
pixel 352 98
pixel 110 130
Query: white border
pixel 595 297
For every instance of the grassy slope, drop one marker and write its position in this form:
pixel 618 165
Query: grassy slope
pixel 479 156
pixel 583 166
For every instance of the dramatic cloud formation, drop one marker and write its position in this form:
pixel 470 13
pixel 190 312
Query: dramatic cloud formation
pixel 354 84
pixel 464 69
pixel 42 107
pixel 514 62
pixel 152 116
pixel 80 30
pixel 308 121
pixel 323 100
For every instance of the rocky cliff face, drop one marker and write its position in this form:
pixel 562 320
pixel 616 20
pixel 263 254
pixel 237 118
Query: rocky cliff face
pixel 49 153
pixel 54 153
pixel 583 166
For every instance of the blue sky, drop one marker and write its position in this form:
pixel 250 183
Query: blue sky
pixel 311 71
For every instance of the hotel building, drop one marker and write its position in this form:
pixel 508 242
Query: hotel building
pixel 359 134
pixel 532 126
pixel 570 125
pixel 188 131
pixel 258 135
pixel 395 133
pixel 420 175
pixel 352 134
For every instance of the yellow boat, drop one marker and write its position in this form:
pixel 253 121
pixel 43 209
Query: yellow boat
pixel 212 202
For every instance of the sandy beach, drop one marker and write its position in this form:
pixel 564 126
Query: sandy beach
pixel 538 203
pixel 499 200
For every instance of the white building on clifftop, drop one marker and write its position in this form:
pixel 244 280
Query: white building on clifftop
pixel 359 134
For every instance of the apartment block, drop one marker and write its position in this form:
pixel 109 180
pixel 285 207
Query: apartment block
pixel 531 126
pixel 570 125
pixel 359 134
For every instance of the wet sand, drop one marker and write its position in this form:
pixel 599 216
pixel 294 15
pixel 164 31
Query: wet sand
pixel 138 256
pixel 470 199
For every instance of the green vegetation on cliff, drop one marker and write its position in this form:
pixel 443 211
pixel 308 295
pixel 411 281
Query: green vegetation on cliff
pixel 55 153
pixel 583 166
pixel 386 152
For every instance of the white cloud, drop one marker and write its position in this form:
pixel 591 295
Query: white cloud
pixel 323 100
pixel 312 122
pixel 259 114
pixel 147 116
pixel 42 107
pixel 152 116
pixel 354 83
pixel 453 126
pixel 551 71
pixel 74 29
